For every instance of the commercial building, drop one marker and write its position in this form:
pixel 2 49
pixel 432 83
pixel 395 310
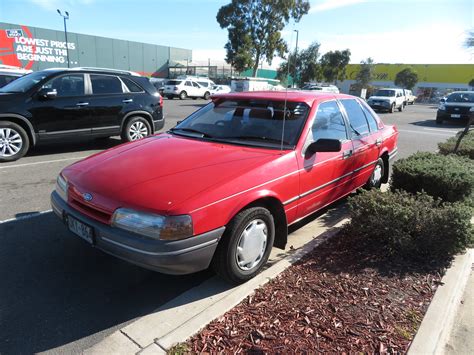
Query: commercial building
pixel 39 48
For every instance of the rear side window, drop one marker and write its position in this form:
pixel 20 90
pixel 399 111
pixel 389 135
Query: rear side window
pixel 195 85
pixel 173 82
pixel 131 85
pixel 188 83
pixel 106 84
pixel 370 119
pixel 329 122
pixel 358 122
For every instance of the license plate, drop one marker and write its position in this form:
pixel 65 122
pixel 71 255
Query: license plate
pixel 80 229
pixel 455 115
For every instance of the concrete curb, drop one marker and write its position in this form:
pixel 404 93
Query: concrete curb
pixel 434 331
pixel 191 311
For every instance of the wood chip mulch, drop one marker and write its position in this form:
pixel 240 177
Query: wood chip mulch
pixel 342 297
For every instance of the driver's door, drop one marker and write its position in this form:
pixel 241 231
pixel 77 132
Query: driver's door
pixel 66 114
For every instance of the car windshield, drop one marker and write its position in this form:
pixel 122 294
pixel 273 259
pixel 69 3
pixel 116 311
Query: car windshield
pixel 173 82
pixel 385 93
pixel 247 122
pixel 24 83
pixel 461 97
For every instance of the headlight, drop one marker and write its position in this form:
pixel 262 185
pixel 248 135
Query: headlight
pixel 442 107
pixel 62 187
pixel 153 225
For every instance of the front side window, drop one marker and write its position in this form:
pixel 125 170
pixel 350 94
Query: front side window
pixel 67 85
pixel 203 83
pixel 247 122
pixel 329 122
pixel 195 85
pixel 106 84
pixel 357 121
pixel 6 79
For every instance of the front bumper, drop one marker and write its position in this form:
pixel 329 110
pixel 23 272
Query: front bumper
pixel 379 106
pixel 443 115
pixel 170 257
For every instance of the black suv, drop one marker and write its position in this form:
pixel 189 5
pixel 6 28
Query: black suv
pixel 62 103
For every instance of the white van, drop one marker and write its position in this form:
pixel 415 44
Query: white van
pixel 387 99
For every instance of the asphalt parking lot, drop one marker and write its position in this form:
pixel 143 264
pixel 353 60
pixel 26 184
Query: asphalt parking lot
pixel 59 294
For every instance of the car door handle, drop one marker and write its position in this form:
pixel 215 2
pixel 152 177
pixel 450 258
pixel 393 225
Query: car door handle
pixel 378 142
pixel 126 101
pixel 346 154
pixel 82 104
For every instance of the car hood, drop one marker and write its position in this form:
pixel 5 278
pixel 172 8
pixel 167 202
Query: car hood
pixel 459 104
pixel 160 172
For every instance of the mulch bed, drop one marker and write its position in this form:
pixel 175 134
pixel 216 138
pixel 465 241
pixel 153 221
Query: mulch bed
pixel 344 296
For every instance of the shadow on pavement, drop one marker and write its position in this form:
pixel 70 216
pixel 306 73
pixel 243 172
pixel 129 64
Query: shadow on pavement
pixel 74 145
pixel 432 123
pixel 56 289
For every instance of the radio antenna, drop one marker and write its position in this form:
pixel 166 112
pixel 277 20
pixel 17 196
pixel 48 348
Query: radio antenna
pixel 286 91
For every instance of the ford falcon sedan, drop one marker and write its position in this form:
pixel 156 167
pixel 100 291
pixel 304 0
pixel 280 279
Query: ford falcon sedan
pixel 221 188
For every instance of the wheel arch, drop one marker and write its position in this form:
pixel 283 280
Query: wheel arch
pixel 23 123
pixel 386 162
pixel 143 114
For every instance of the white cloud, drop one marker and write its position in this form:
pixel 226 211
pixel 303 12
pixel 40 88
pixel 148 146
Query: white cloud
pixel 325 5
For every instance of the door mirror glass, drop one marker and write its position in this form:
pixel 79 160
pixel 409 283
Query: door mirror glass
pixel 324 145
pixel 47 94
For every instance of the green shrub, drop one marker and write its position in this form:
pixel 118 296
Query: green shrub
pixel 448 177
pixel 466 148
pixel 408 225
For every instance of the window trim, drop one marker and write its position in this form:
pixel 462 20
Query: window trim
pixel 61 76
pixel 349 122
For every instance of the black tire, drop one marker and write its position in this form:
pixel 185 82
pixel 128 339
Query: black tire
pixel 183 95
pixel 400 109
pixel 225 260
pixel 375 182
pixel 392 108
pixel 14 141
pixel 439 120
pixel 170 97
pixel 136 128
pixel 206 95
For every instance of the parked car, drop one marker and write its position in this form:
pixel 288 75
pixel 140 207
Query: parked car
pixel 321 87
pixel 222 187
pixel 220 89
pixel 455 107
pixel 184 89
pixel 387 100
pixel 9 73
pixel 409 97
pixel 58 104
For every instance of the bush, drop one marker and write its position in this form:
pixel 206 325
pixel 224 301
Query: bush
pixel 466 148
pixel 412 226
pixel 448 177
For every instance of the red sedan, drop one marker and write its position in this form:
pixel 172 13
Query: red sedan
pixel 222 187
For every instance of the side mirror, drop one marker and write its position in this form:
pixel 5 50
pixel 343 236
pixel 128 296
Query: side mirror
pixel 47 94
pixel 324 145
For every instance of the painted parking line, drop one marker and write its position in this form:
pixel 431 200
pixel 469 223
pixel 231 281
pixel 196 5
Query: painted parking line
pixel 28 216
pixel 430 133
pixel 441 130
pixel 40 162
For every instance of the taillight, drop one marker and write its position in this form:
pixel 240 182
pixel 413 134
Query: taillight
pixel 161 101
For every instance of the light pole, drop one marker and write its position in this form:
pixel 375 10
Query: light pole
pixel 296 59
pixel 65 17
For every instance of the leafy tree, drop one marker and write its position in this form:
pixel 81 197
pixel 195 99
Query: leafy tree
pixel 406 78
pixel 303 66
pixel 334 65
pixel 365 74
pixel 254 28
pixel 470 40
pixel 471 83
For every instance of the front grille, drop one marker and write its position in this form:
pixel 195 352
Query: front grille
pixel 457 109
pixel 94 212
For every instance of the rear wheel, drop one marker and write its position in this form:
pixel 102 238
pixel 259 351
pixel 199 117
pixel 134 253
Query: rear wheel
pixel 14 142
pixel 136 128
pixel 375 180
pixel 206 95
pixel 245 246
pixel 182 95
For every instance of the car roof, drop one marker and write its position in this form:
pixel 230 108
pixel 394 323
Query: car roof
pixel 92 70
pixel 291 95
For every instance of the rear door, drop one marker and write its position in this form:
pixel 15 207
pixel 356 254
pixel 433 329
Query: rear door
pixel 366 143
pixel 325 176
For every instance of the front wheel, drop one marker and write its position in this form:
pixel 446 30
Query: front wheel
pixel 14 142
pixel 207 95
pixel 375 180
pixel 245 246
pixel 392 108
pixel 400 109
pixel 137 128
pixel 439 120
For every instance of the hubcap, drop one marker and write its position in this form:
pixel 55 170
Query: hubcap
pixel 252 244
pixel 10 142
pixel 138 130
pixel 377 174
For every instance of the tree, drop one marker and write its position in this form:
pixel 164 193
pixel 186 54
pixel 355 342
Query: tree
pixel 365 74
pixel 471 83
pixel 334 65
pixel 470 40
pixel 304 65
pixel 254 28
pixel 407 78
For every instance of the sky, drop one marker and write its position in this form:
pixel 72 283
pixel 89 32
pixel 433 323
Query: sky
pixel 389 31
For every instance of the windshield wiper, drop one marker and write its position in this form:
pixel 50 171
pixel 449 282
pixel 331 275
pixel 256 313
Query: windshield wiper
pixel 192 130
pixel 257 138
